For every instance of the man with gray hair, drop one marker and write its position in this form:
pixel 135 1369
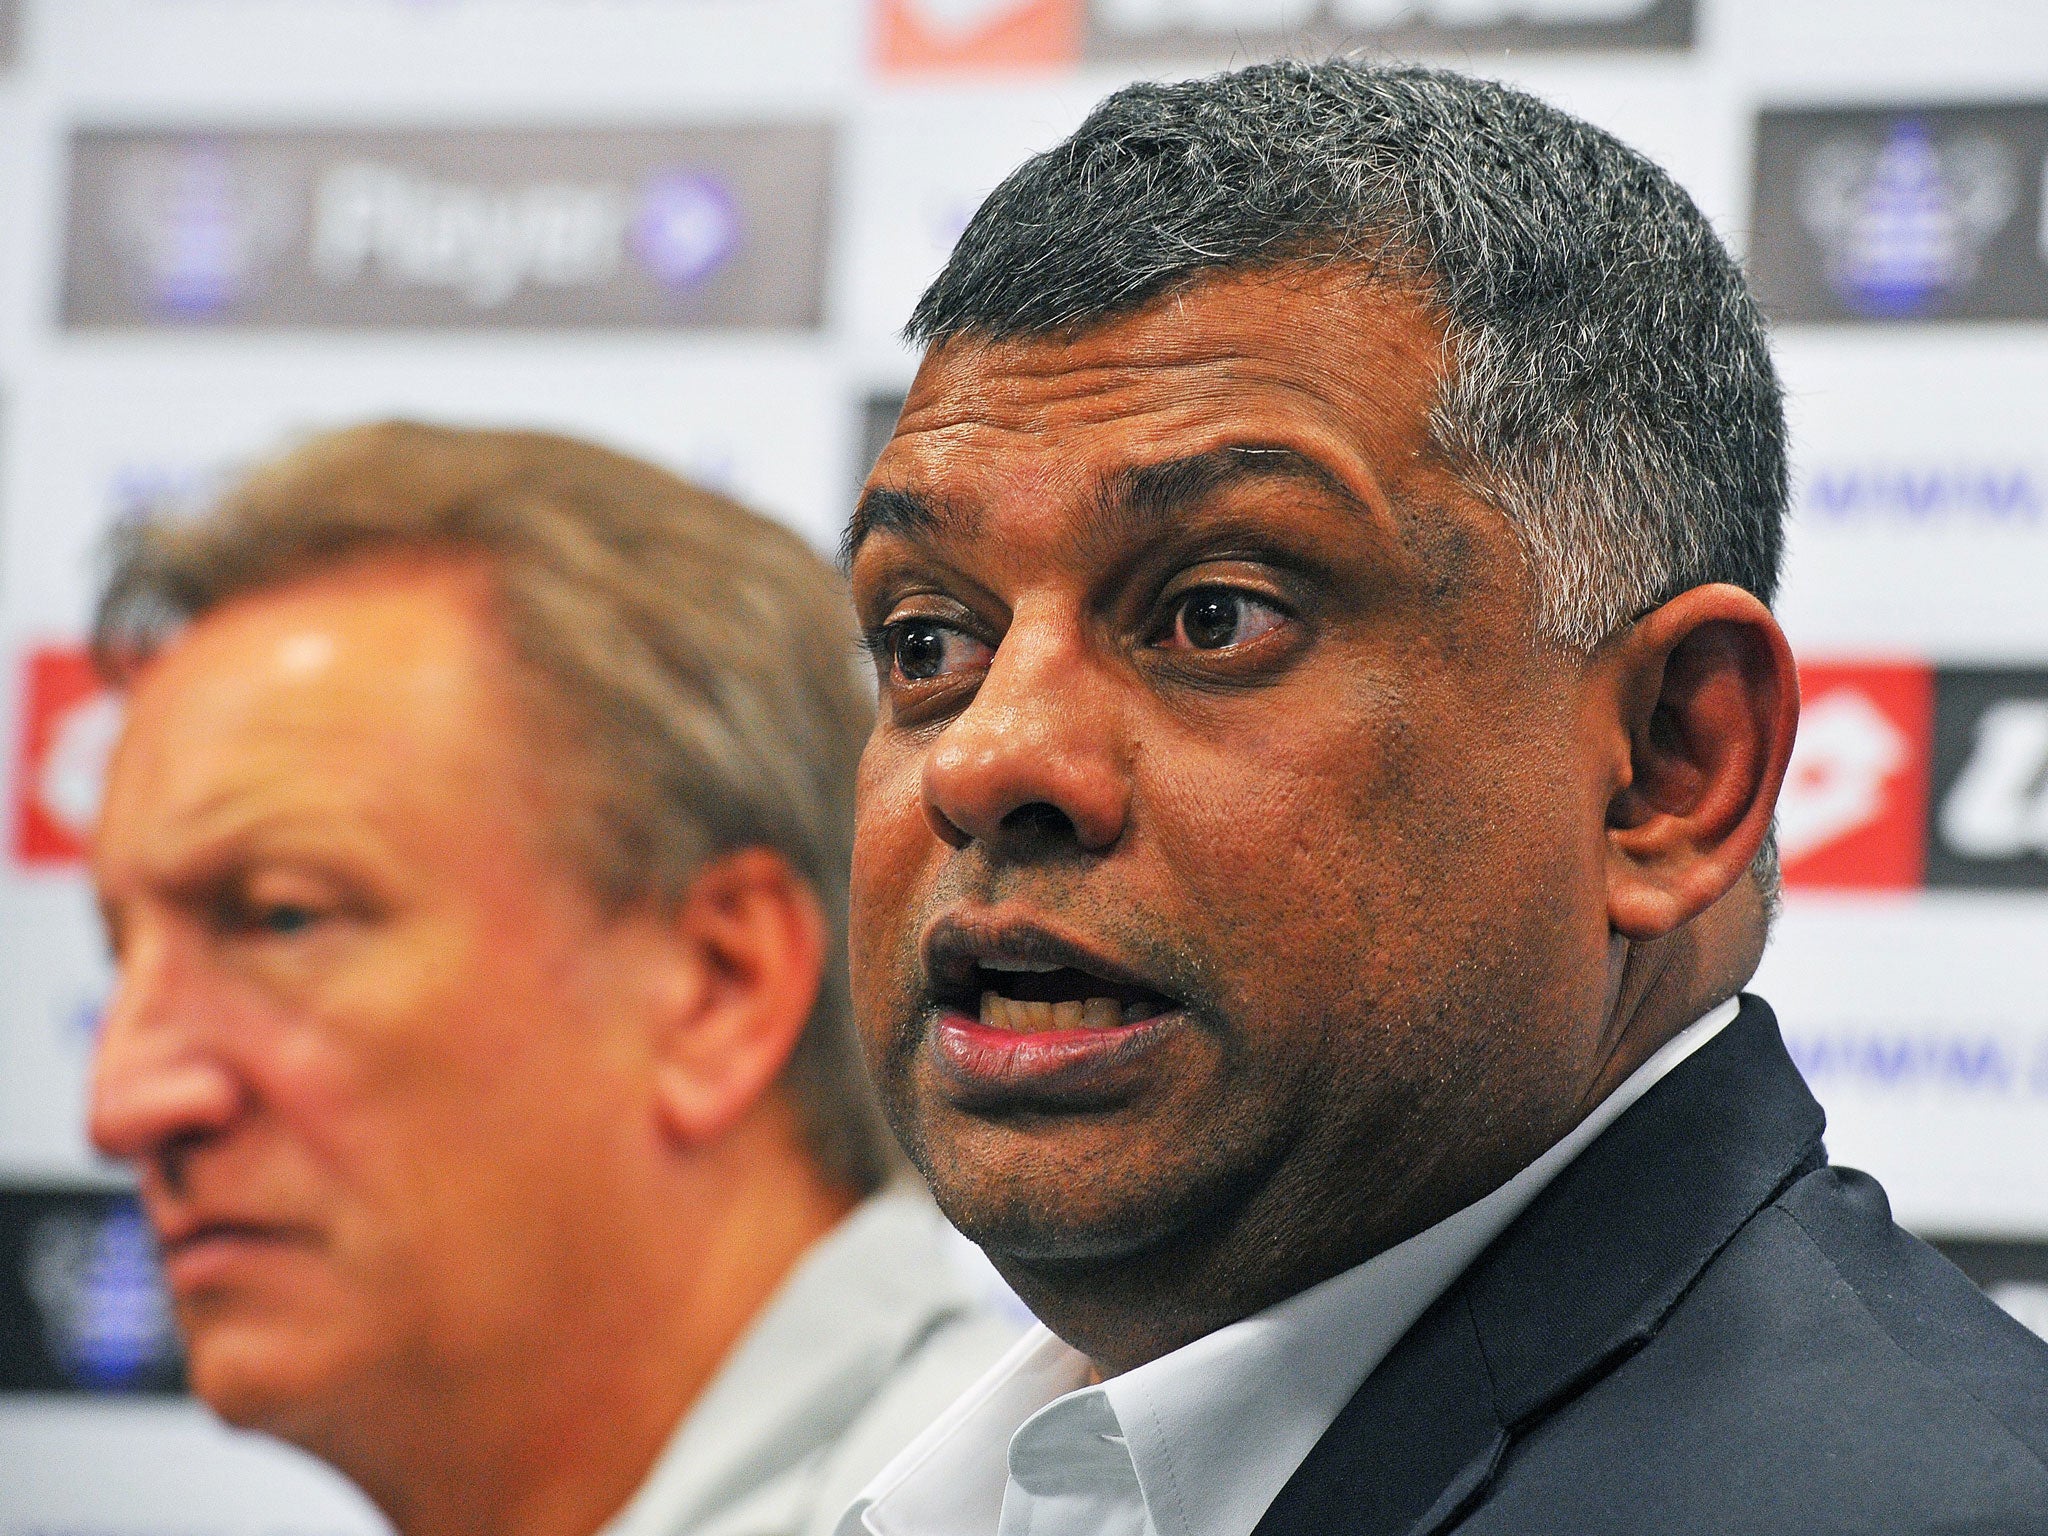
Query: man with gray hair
pixel 474 862
pixel 1314 839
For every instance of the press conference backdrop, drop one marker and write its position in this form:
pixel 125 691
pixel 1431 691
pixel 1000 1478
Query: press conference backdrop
pixel 691 228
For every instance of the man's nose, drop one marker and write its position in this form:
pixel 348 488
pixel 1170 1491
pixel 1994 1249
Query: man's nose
pixel 156 1082
pixel 1038 753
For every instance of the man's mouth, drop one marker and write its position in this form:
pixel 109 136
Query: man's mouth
pixel 1021 1015
pixel 200 1252
pixel 1033 998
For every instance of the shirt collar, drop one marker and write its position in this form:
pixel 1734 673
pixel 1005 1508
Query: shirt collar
pixel 951 1478
pixel 1216 1428
pixel 855 1303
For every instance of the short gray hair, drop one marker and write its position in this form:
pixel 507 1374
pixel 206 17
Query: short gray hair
pixel 1608 383
pixel 689 665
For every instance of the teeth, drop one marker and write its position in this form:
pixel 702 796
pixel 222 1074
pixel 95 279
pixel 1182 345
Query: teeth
pixel 1000 1012
pixel 1032 1018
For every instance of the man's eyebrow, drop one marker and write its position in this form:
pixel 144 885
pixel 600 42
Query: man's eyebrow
pixel 1145 495
pixel 1153 493
pixel 885 510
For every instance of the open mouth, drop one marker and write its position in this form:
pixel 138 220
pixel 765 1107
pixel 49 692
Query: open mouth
pixel 1024 1019
pixel 1022 980
pixel 1032 997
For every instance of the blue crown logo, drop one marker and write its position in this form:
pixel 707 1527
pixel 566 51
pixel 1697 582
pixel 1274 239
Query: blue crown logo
pixel 198 229
pixel 1903 223
pixel 95 1281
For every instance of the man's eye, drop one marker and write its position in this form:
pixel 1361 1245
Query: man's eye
pixel 265 919
pixel 923 649
pixel 1211 618
pixel 284 920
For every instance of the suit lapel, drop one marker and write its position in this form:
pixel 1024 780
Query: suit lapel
pixel 1598 1261
pixel 1418 1439
pixel 1580 1280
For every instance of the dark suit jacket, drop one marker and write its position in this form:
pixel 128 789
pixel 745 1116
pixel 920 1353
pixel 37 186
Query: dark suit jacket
pixel 1700 1326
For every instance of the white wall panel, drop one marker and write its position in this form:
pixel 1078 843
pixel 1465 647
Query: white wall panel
pixel 917 165
pixel 151 1469
pixel 526 60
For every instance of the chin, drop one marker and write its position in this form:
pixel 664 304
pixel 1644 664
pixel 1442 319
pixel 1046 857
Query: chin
pixel 265 1376
pixel 1036 1238
pixel 1047 1218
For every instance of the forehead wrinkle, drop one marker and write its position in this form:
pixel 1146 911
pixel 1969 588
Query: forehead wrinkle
pixel 220 755
pixel 268 801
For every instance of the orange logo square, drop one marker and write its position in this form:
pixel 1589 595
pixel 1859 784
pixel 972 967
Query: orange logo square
pixel 936 36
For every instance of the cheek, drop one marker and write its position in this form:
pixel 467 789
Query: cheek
pixel 1280 815
pixel 894 851
pixel 415 1082
pixel 1380 848
pixel 315 1083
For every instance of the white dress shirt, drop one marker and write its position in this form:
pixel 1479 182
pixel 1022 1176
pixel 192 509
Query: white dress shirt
pixel 874 1332
pixel 1198 1442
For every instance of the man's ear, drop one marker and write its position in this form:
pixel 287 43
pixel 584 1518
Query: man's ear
pixel 1708 703
pixel 752 936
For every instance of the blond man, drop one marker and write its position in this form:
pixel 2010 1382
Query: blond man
pixel 474 861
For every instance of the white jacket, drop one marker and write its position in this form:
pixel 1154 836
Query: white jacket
pixel 877 1329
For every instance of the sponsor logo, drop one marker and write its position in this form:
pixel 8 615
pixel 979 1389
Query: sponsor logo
pixel 1991 781
pixel 1906 776
pixel 686 227
pixel 940 34
pixel 389 224
pixel 1933 1056
pixel 94 1280
pixel 672 228
pixel 70 722
pixel 82 1304
pixel 198 230
pixel 374 222
pixel 1996 495
pixel 1907 214
pixel 918 35
pixel 1852 810
pixel 1904 222
pixel 1998 806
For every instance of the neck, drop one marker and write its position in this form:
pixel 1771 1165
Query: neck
pixel 1656 989
pixel 554 1435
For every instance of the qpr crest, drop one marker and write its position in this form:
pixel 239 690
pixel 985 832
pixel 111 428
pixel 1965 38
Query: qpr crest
pixel 1903 222
pixel 93 1278
pixel 199 227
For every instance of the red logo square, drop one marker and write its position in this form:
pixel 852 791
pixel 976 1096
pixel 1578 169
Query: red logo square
pixel 1853 812
pixel 70 722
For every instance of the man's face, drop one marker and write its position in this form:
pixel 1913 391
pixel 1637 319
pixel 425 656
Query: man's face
pixel 1228 858
pixel 364 1048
